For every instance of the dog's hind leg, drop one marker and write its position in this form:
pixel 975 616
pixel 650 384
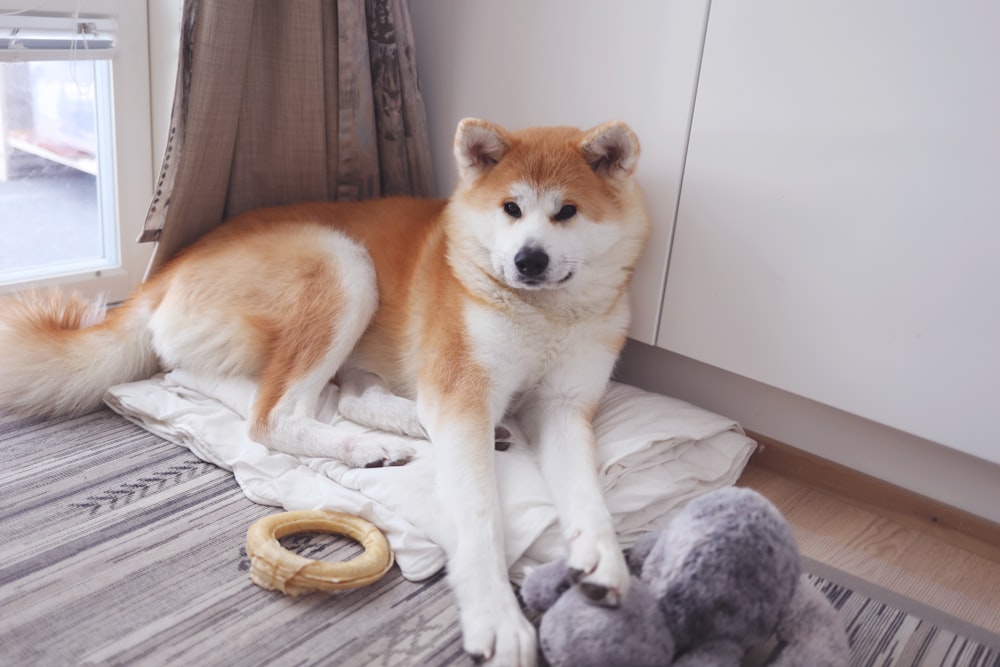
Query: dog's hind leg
pixel 307 341
pixel 285 422
pixel 507 434
pixel 365 399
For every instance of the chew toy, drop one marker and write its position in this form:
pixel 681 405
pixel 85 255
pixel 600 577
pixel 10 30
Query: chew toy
pixel 276 568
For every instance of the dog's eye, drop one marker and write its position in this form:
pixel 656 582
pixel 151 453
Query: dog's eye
pixel 565 213
pixel 512 209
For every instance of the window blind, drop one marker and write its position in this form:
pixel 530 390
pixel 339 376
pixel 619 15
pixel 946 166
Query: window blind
pixel 56 38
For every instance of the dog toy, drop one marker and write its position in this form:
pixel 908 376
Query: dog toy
pixel 276 568
pixel 723 577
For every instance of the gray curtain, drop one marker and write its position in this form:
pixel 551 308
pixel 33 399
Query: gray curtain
pixel 283 101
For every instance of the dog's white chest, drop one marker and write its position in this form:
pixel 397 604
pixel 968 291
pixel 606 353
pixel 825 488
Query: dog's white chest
pixel 518 352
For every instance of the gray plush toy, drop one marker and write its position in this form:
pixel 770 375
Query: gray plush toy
pixel 723 577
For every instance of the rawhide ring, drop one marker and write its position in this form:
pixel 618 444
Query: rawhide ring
pixel 276 568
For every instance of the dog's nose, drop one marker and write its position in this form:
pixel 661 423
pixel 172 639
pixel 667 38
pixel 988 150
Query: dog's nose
pixel 531 262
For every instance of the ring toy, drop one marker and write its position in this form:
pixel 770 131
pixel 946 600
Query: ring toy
pixel 275 568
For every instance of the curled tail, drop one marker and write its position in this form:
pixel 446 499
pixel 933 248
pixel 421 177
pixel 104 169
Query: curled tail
pixel 59 352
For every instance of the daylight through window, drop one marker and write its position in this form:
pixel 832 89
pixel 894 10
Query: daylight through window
pixel 57 185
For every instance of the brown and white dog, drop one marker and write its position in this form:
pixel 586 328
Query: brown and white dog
pixel 439 318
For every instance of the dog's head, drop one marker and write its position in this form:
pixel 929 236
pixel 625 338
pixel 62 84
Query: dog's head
pixel 548 208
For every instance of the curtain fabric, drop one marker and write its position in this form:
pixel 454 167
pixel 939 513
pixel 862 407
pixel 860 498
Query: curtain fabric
pixel 283 102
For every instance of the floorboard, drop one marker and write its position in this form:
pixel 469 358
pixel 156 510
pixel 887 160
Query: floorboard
pixel 903 559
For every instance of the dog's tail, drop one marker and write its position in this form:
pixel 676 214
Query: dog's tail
pixel 59 352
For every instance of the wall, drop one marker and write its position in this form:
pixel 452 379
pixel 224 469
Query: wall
pixel 164 40
pixel 570 62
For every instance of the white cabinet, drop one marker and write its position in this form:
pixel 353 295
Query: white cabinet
pixel 839 221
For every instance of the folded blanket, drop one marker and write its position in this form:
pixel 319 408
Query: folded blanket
pixel 655 453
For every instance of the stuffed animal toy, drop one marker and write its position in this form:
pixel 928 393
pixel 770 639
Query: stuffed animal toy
pixel 723 577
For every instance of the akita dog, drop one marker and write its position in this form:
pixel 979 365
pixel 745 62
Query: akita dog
pixel 439 318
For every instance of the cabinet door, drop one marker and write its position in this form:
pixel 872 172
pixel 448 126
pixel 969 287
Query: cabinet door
pixel 571 62
pixel 839 220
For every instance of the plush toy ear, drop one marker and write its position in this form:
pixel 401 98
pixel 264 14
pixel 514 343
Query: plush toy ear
pixel 545 584
pixel 637 554
pixel 479 145
pixel 611 149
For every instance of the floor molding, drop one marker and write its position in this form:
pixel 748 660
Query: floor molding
pixel 932 469
pixel 949 524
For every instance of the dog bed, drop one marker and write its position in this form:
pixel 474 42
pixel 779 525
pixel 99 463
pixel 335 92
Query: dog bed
pixel 655 453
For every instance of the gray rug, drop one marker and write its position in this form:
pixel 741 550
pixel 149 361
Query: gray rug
pixel 118 548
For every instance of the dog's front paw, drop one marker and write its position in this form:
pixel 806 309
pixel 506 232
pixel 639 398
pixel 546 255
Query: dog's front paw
pixel 499 636
pixel 598 568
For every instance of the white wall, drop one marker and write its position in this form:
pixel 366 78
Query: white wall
pixel 570 62
pixel 164 41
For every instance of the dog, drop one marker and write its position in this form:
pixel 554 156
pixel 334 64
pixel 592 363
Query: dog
pixel 438 318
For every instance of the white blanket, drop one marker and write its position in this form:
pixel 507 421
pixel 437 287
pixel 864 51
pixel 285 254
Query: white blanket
pixel 655 454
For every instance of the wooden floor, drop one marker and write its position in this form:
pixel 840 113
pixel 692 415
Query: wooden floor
pixel 903 559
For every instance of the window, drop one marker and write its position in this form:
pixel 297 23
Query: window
pixel 76 169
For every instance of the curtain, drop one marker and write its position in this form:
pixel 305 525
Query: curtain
pixel 283 101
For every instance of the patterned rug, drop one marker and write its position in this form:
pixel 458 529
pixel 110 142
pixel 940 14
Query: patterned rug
pixel 118 548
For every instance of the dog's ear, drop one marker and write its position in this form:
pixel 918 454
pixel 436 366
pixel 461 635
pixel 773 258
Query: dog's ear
pixel 479 145
pixel 611 149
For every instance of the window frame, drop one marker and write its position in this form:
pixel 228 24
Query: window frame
pixel 135 171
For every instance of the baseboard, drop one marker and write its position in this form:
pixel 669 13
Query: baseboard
pixel 946 523
pixel 924 467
